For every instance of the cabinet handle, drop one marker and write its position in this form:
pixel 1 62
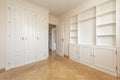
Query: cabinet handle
pixel 37 38
pixel 22 38
pixel 91 55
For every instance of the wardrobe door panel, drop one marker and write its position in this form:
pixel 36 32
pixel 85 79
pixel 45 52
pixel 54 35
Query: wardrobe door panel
pixel 30 25
pixel 38 38
pixel 105 58
pixel 44 37
pixel 15 51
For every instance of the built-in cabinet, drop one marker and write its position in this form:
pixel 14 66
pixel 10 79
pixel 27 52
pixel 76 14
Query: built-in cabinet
pixel 95 41
pixel 27 40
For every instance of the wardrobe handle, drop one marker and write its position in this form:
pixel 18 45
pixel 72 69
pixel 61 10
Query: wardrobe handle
pixel 22 38
pixel 37 38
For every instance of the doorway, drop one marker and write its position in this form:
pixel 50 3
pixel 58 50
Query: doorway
pixel 52 39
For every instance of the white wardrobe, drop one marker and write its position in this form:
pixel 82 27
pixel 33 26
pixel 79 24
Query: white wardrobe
pixel 27 36
pixel 93 37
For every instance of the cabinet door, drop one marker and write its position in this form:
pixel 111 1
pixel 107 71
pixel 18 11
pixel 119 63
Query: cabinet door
pixel 30 44
pixel 38 37
pixel 86 54
pixel 74 52
pixel 105 58
pixel 15 40
pixel 44 37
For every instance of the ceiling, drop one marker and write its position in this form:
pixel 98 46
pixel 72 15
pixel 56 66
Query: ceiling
pixel 58 7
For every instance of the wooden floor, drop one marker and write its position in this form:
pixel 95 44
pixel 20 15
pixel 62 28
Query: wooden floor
pixel 55 68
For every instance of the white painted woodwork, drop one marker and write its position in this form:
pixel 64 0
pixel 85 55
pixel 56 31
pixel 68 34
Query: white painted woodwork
pixel 3 33
pixel 74 52
pixel 15 37
pixel 95 30
pixel 105 58
pixel 73 30
pixel 30 25
pixel 86 54
pixel 27 36
pixel 60 39
pixel 106 24
pixel 37 38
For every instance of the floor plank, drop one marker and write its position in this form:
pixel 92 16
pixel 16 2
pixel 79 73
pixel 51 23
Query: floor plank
pixel 55 68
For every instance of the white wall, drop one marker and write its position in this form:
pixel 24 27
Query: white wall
pixel 3 24
pixel 53 20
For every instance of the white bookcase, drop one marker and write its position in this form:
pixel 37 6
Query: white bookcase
pixel 74 29
pixel 94 33
pixel 95 26
pixel 106 24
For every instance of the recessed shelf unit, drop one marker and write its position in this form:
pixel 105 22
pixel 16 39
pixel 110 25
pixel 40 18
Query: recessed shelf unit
pixel 95 26
pixel 74 29
pixel 106 24
pixel 87 27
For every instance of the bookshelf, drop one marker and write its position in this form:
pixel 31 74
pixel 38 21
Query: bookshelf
pixel 96 36
pixel 73 29
pixel 95 26
pixel 106 24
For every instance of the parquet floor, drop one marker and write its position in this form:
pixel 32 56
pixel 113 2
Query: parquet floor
pixel 55 68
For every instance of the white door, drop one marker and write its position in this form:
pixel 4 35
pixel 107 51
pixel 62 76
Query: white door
pixel 15 40
pixel 86 54
pixel 105 58
pixel 44 37
pixel 38 38
pixel 60 39
pixel 74 52
pixel 30 44
pixel 41 38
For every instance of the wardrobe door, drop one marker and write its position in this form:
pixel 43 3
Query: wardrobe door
pixel 30 45
pixel 44 37
pixel 15 40
pixel 38 38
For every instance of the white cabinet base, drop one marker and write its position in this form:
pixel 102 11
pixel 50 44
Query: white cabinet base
pixel 100 58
